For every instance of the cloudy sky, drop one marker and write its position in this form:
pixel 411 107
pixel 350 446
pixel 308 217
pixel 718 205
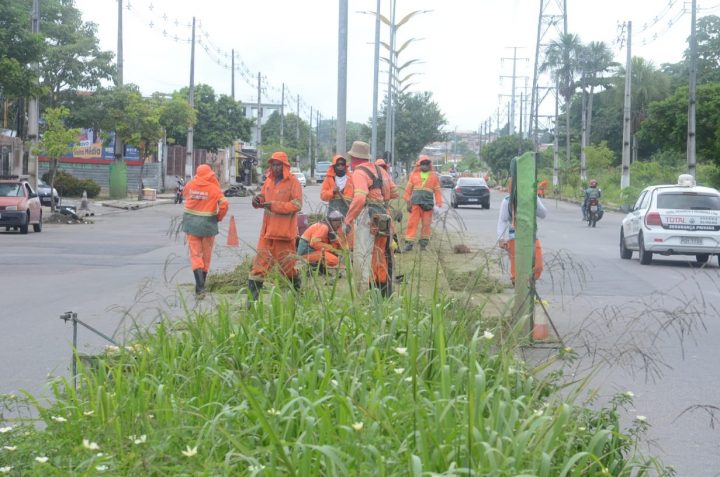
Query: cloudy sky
pixel 463 46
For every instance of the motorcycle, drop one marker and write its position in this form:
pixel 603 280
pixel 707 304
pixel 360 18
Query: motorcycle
pixel 236 190
pixel 594 212
pixel 179 191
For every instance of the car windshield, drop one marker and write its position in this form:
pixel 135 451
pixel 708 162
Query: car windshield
pixel 471 182
pixel 688 201
pixel 11 190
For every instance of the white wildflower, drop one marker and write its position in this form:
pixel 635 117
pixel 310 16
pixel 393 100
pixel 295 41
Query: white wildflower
pixel 358 426
pixel 399 370
pixel 58 419
pixel 190 452
pixel 101 468
pixel 3 430
pixel 408 379
pixel 10 448
pixel 334 382
pixel 488 335
pixel 582 428
pixel 273 412
pixel 42 459
pixel 88 413
pixel 538 412
pixel 138 439
pixel 401 351
pixel 256 468
pixel 6 469
pixel 629 394
pixel 90 445
pixel 641 418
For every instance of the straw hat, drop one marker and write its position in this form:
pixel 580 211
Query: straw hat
pixel 360 150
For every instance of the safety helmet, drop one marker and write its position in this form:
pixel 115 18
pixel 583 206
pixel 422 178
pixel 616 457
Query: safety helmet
pixel 593 183
pixel 335 215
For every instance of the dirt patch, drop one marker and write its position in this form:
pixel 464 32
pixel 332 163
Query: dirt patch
pixel 58 218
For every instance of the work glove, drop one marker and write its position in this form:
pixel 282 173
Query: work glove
pixel 397 215
pixel 258 201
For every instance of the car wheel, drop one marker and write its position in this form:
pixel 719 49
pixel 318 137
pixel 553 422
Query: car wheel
pixel 486 205
pixel 454 205
pixel 625 253
pixel 645 256
pixel 24 228
pixel 702 257
pixel 38 227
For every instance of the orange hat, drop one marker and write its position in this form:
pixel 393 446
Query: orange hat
pixel 280 156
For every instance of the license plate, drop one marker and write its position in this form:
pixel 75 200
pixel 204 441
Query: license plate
pixel 593 208
pixel 473 199
pixel 690 241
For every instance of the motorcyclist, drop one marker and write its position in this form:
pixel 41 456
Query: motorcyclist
pixel 592 192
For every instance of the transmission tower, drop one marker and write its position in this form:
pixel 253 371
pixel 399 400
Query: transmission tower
pixel 552 23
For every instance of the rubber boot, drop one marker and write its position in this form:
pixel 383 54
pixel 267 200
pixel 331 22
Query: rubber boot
pixel 296 282
pixel 423 244
pixel 255 286
pixel 384 289
pixel 199 281
pixel 408 247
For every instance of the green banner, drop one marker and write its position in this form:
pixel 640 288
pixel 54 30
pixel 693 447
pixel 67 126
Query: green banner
pixel 525 233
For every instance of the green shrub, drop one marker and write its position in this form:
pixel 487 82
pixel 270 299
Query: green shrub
pixel 68 185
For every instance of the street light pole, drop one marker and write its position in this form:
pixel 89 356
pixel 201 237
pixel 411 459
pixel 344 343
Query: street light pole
pixel 376 74
pixel 340 143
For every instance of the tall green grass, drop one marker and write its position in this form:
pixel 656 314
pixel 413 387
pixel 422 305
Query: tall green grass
pixel 318 384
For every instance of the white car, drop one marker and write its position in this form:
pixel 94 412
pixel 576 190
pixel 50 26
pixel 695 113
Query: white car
pixel 681 219
pixel 301 177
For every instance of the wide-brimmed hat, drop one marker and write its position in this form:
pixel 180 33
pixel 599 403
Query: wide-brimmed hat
pixel 360 150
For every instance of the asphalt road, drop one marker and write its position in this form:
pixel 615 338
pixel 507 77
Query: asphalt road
pixel 652 330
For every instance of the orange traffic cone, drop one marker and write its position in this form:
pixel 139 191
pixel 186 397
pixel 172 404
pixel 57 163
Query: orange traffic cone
pixel 232 240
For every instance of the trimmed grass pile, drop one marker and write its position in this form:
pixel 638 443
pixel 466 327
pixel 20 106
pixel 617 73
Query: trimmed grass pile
pixel 317 385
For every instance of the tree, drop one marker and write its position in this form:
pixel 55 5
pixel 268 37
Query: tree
pixel 418 122
pixel 498 153
pixel 56 141
pixel 708 49
pixel 72 59
pixel 666 124
pixel 595 59
pixel 562 59
pixel 19 48
pixel 220 120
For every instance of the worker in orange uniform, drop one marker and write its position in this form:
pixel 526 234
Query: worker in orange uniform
pixel 281 199
pixel 323 241
pixel 337 188
pixel 542 185
pixel 372 224
pixel 205 206
pixel 506 232
pixel 422 194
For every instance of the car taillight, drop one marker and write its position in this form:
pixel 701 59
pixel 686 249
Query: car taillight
pixel 653 218
pixel 457 189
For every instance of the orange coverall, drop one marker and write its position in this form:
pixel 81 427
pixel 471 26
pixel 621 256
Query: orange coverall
pixel 337 199
pixel 323 250
pixel 276 244
pixel 368 197
pixel 420 192
pixel 205 206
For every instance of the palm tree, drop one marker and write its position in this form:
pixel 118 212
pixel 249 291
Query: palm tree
pixel 595 59
pixel 561 58
pixel 649 84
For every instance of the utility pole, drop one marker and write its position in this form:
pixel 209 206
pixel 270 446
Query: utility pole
pixel 120 44
pixel 232 74
pixel 627 124
pixel 556 140
pixel 297 132
pixel 191 99
pixel 282 115
pixel 389 116
pixel 376 86
pixel 310 135
pixel 317 133
pixel 692 90
pixel 258 132
pixel 342 77
pixel 33 107
pixel 521 114
pixel 511 118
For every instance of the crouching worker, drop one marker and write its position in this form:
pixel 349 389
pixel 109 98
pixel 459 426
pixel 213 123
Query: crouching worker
pixel 205 206
pixel 323 241
pixel 281 200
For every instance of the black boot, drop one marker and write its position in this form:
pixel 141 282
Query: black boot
pixel 255 286
pixel 296 282
pixel 199 281
pixel 408 247
pixel 423 244
pixel 384 289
